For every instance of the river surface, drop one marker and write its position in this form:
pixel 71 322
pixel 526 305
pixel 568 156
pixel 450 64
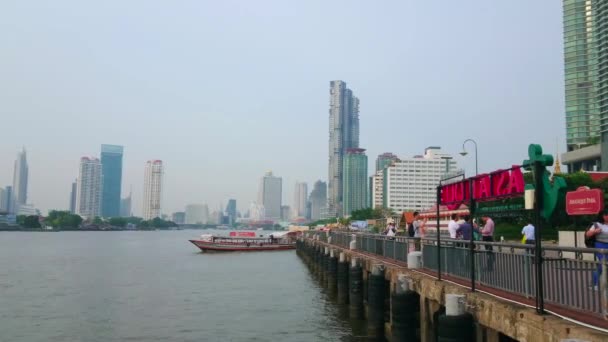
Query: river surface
pixel 156 286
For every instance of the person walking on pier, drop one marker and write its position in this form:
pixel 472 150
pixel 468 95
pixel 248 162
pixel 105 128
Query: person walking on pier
pixel 599 231
pixel 453 226
pixel 528 233
pixel 487 232
pixel 466 229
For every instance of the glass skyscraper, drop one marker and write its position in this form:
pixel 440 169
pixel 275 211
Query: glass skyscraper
pixel 111 162
pixel 581 52
pixel 355 180
pixel 343 135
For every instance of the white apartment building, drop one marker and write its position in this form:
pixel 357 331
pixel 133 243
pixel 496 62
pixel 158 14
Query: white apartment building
pixel 411 183
pixel 300 198
pixel 153 186
pixel 377 189
pixel 89 188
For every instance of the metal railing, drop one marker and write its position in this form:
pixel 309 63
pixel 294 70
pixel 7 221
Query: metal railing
pixel 575 279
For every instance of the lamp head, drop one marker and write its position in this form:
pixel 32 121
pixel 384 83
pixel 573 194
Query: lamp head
pixel 464 153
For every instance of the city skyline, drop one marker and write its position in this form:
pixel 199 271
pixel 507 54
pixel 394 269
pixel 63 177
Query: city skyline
pixel 443 80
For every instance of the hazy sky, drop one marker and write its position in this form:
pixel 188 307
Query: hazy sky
pixel 223 91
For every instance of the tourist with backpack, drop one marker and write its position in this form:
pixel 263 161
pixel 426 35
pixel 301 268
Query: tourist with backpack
pixel 416 227
pixel 599 232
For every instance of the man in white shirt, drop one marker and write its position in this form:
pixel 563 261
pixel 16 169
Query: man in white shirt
pixel 528 232
pixel 453 226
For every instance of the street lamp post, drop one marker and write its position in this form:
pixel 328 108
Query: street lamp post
pixel 464 153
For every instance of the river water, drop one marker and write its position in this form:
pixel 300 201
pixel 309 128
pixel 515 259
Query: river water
pixel 156 286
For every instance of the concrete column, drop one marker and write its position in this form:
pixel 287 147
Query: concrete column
pixel 332 273
pixel 375 301
pixel 342 279
pixel 427 310
pixel 355 290
pixel 405 306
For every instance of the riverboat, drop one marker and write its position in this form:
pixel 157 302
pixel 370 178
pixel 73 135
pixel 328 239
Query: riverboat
pixel 246 242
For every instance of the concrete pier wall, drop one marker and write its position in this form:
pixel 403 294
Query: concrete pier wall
pixel 494 316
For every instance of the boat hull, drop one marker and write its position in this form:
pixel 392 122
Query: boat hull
pixel 207 246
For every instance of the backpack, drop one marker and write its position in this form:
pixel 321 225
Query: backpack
pixel 410 229
pixel 590 240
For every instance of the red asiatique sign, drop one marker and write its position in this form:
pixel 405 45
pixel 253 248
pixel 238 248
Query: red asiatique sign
pixel 500 183
pixel 584 201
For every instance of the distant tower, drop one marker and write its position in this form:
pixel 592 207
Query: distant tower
pixel 556 167
pixel 343 135
pixel 318 200
pixel 111 163
pixel 355 180
pixel 73 197
pixel 153 186
pixel 384 160
pixel 270 195
pixel 300 197
pixel 231 211
pixel 20 177
pixel 89 188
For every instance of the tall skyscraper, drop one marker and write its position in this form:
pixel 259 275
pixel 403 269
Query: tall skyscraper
pixel 73 196
pixel 20 177
pixel 586 80
pixel 300 197
pixel 270 195
pixel 343 135
pixel 111 162
pixel 231 211
pixel 318 200
pixel 384 160
pixel 8 199
pixel 89 188
pixel 3 201
pixel 285 212
pixel 355 180
pixel 126 206
pixel 153 188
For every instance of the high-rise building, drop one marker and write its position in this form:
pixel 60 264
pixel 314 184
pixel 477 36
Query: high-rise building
pixel 285 212
pixel 20 178
pixel 355 180
pixel 231 211
pixel 8 200
pixel 586 81
pixel 300 197
pixel 384 159
pixel 111 163
pixel 153 189
pixel 89 188
pixel 179 217
pixel 270 195
pixel 73 197
pixel 318 200
pixel 3 209
pixel 196 214
pixel 410 184
pixel 343 135
pixel 126 206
